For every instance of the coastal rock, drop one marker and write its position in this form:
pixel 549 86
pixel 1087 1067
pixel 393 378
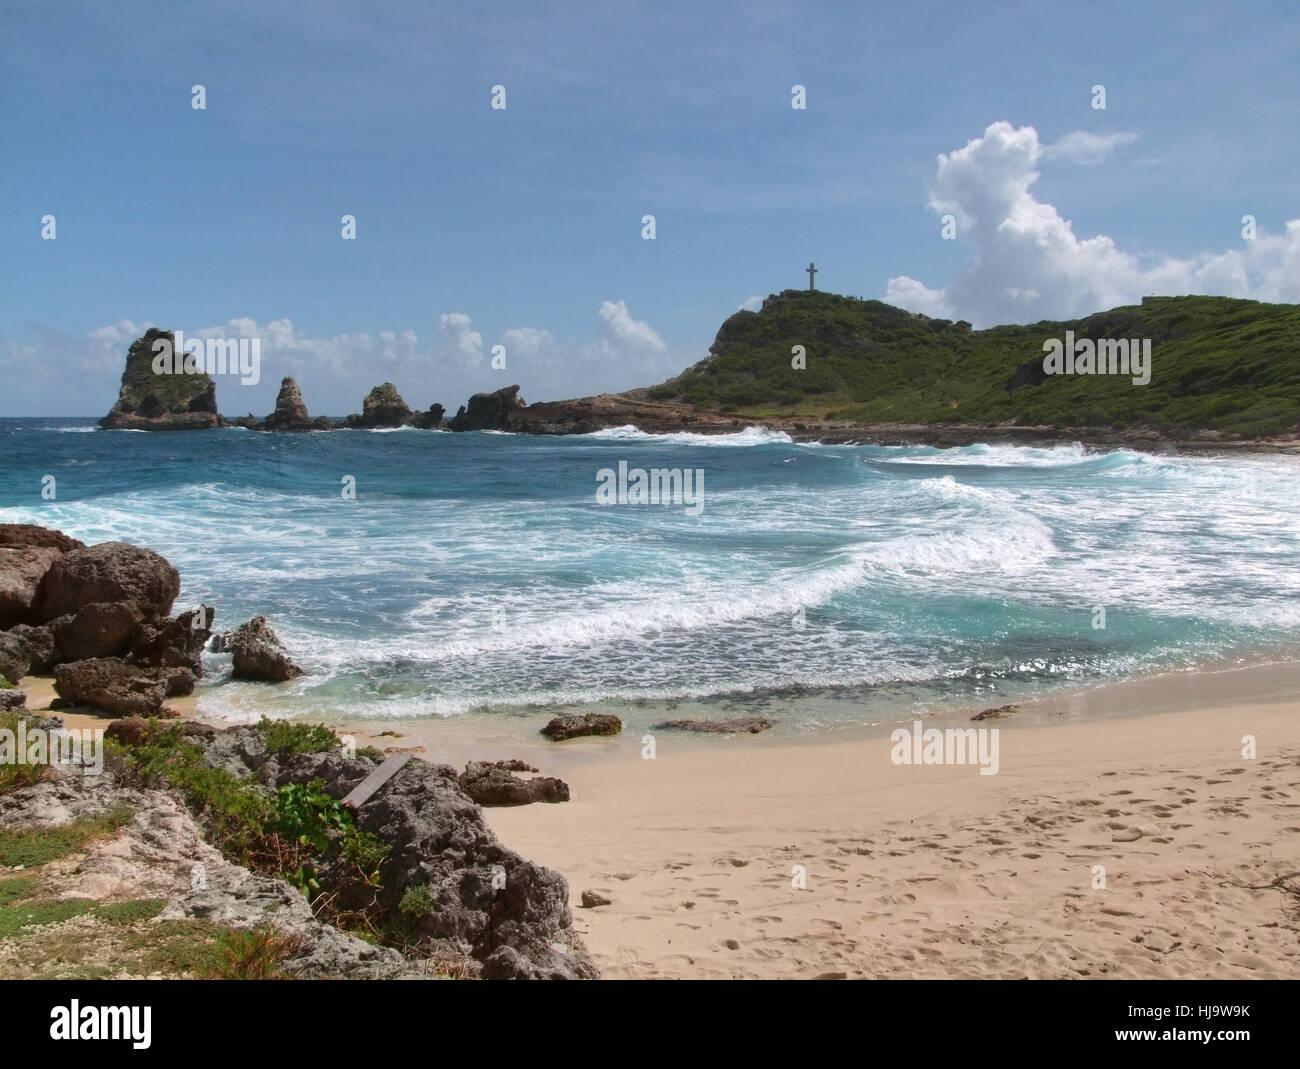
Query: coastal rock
pixel 109 572
pixel 31 534
pixel 591 900
pixel 21 570
pixel 101 629
pixel 35 645
pixel 11 698
pixel 485 900
pixel 998 713
pixel 430 420
pixel 570 727
pixel 258 653
pixel 383 407
pixel 14 660
pixel 488 411
pixel 150 401
pixel 290 413
pixel 753 725
pixel 175 643
pixel 495 783
pixel 110 684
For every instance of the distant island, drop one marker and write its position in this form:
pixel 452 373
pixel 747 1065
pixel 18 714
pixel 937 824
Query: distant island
pixel 833 368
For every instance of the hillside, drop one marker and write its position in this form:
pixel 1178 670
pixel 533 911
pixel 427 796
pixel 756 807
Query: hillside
pixel 1218 364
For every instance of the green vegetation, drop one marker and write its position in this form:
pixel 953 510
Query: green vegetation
pixel 1217 363
pixel 28 849
pixel 12 773
pixel 251 954
pixel 150 394
pixel 5 684
pixel 284 737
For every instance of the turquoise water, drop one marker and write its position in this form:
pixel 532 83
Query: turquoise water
pixel 476 573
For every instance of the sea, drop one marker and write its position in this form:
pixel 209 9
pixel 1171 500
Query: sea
pixel 425 574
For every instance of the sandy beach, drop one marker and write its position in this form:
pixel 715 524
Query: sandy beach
pixel 1108 844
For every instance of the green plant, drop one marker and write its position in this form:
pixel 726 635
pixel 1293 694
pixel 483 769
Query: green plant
pixel 416 902
pixel 252 954
pixel 284 737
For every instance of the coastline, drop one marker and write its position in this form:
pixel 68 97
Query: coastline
pixel 926 871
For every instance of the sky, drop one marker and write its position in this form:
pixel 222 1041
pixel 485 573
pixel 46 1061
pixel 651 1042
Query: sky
pixel 522 227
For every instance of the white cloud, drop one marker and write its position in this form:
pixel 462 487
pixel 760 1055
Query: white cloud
pixel 1028 264
pixel 750 304
pixel 1086 148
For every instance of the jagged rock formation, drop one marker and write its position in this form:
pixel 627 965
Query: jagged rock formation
pixel 290 413
pixel 571 727
pixel 495 783
pixel 489 411
pixel 430 420
pixel 258 653
pixel 150 401
pixel 383 407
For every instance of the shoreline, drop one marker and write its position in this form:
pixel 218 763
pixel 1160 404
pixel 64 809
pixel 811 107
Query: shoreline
pixel 928 870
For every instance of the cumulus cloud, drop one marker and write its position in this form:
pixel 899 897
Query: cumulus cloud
pixel 1083 147
pixel 1028 263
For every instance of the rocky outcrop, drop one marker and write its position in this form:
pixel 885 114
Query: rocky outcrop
pixel 570 727
pixel 383 407
pixel 109 572
pixel 751 724
pixel 488 411
pixel 27 552
pixel 14 661
pixel 291 413
pixel 257 653
pixel 175 643
pixel 495 783
pixel 101 629
pixel 112 685
pixel 153 401
pixel 12 699
pixel 430 420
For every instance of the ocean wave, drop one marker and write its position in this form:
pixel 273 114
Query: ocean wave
pixel 749 436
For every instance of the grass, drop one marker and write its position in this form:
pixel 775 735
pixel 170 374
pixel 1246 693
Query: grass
pixel 34 847
pixel 285 738
pixel 14 774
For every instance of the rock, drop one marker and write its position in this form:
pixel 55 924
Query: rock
pixel 102 629
pixel 488 411
pixel 430 420
pixel 486 901
pixel 151 401
pixel 290 413
pixel 36 646
pixel 590 900
pixel 21 570
pixel 175 643
pixel 570 727
pixel 998 713
pixel 12 698
pixel 14 660
pixel 109 572
pixel 258 653
pixel 30 534
pixel 1126 835
pixel 721 727
pixel 490 783
pixel 111 684
pixel 383 407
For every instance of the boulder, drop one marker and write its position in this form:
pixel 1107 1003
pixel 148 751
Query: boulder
pixel 570 727
pixel 110 684
pixel 495 783
pixel 30 534
pixel 36 645
pixel 175 643
pixel 258 653
pixel 101 629
pixel 15 661
pixel 109 572
pixel 430 420
pixel 488 411
pixel 21 570
pixel 591 899
pixel 290 413
pixel 12 699
pixel 158 400
pixel 383 407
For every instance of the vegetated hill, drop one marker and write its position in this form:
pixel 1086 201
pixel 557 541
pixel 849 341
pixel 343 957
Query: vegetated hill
pixel 1217 363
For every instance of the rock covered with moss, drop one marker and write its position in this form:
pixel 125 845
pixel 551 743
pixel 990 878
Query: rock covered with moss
pixel 153 401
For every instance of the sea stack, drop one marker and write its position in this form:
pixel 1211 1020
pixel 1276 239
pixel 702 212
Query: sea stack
pixel 383 407
pixel 488 411
pixel 291 414
pixel 152 401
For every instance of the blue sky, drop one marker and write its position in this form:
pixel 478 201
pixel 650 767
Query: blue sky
pixel 522 227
